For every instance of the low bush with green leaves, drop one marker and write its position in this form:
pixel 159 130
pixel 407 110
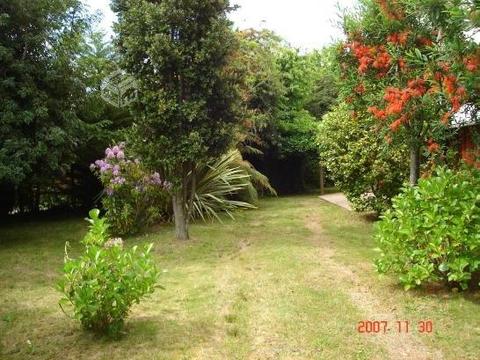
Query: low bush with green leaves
pixel 107 279
pixel 432 234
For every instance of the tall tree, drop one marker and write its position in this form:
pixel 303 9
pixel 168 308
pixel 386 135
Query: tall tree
pixel 301 76
pixel 261 89
pixel 103 122
pixel 285 95
pixel 324 94
pixel 186 109
pixel 402 62
pixel 39 88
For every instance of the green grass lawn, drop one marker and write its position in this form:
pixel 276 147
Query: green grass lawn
pixel 288 281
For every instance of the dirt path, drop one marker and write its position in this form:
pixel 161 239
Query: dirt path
pixel 398 346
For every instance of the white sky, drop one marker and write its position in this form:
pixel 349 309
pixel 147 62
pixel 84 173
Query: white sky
pixel 306 24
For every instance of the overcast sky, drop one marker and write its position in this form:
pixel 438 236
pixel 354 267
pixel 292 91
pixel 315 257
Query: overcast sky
pixel 306 24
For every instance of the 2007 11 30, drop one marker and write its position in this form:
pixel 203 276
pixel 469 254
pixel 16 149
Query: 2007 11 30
pixel 399 326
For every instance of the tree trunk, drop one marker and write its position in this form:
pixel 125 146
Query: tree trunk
pixel 181 224
pixel 193 190
pixel 322 180
pixel 414 164
pixel 35 200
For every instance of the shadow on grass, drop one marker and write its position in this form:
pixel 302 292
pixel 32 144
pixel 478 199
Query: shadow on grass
pixel 169 333
pixel 441 291
pixel 149 334
pixel 60 335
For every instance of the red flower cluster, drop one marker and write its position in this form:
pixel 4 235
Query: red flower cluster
pixel 360 89
pixel 417 87
pixel 446 117
pixel 433 146
pixel 391 9
pixel 375 56
pixel 397 123
pixel 398 38
pixel 397 100
pixel 438 76
pixel 472 63
pixel 445 66
pixel 450 83
pixel 455 93
pixel 378 113
pixel 424 41
pixel 382 61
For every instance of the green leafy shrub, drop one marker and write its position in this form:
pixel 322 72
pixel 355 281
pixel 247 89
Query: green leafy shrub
pixel 433 231
pixel 134 198
pixel 107 279
pixel 361 163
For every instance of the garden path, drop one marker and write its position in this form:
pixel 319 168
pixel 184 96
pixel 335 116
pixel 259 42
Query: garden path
pixel 338 199
pixel 398 346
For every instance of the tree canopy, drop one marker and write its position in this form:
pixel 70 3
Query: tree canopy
pixel 411 64
pixel 40 90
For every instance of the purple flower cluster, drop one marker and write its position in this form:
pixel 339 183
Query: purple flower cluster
pixel 101 165
pixel 115 169
pixel 155 179
pixel 116 152
pixel 118 180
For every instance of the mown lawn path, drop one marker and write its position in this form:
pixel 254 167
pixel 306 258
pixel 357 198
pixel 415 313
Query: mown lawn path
pixel 290 280
pixel 399 346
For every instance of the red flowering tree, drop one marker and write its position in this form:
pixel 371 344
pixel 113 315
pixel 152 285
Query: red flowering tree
pixel 412 65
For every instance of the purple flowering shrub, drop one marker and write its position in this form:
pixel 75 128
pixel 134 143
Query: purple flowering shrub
pixel 134 198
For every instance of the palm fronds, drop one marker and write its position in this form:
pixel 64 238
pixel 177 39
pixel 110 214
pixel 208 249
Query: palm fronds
pixel 217 185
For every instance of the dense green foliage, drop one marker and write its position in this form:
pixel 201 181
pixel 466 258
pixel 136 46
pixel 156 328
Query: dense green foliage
pixel 40 91
pixel 368 171
pixel 53 121
pixel 105 123
pixel 433 231
pixel 296 125
pixel 285 94
pixel 107 279
pixel 261 87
